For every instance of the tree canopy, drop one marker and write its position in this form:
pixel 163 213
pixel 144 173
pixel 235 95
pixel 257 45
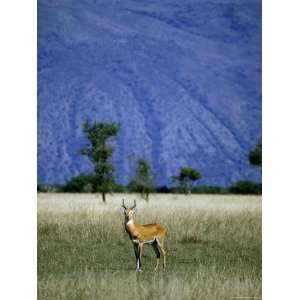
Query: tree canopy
pixel 143 179
pixel 185 177
pixel 255 156
pixel 99 151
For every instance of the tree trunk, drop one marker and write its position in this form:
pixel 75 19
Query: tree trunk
pixel 103 197
pixel 147 196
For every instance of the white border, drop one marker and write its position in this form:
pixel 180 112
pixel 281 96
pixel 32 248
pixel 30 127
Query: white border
pixel 18 150
pixel 281 150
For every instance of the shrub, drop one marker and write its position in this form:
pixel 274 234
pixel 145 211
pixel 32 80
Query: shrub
pixel 209 190
pixel 246 187
pixel 48 188
pixel 163 189
pixel 79 184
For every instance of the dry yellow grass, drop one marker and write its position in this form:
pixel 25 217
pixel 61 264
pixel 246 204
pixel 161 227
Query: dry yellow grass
pixel 213 244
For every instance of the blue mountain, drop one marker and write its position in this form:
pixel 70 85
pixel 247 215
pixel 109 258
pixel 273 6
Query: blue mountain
pixel 183 78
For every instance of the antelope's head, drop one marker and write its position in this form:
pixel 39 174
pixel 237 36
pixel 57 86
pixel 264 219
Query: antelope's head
pixel 128 211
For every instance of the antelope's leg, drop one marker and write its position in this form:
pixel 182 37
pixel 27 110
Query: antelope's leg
pixel 136 252
pixel 140 249
pixel 161 248
pixel 157 252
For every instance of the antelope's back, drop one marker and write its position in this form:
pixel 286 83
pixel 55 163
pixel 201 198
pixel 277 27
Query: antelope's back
pixel 150 230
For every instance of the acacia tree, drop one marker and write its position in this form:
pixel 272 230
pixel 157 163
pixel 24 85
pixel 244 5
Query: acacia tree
pixel 143 178
pixel 99 151
pixel 185 177
pixel 255 156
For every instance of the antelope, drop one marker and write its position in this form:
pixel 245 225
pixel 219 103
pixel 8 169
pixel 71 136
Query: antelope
pixel 153 234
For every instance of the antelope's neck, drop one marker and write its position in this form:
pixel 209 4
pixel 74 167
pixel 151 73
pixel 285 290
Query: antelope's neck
pixel 129 225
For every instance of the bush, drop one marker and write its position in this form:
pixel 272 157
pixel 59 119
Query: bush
pixel 208 190
pixel 48 188
pixel 79 184
pixel 84 184
pixel 118 188
pixel 246 187
pixel 163 189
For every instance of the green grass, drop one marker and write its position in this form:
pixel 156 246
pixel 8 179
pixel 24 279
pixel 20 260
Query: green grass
pixel 213 248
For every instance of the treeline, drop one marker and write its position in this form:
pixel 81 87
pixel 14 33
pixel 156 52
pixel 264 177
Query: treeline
pixel 102 180
pixel 81 184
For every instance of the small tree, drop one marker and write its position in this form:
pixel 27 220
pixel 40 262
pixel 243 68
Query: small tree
pixel 255 156
pixel 185 177
pixel 100 152
pixel 142 181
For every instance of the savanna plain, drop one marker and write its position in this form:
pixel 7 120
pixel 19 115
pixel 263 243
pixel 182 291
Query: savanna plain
pixel 213 245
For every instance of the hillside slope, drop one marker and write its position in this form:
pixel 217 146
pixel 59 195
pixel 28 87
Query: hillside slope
pixel 183 78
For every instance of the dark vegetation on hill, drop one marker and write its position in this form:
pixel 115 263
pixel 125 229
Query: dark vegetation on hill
pixel 99 150
pixel 81 184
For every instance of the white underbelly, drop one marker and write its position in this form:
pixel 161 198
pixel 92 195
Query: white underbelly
pixel 149 242
pixel 136 241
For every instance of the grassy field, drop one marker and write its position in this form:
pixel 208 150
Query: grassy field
pixel 213 248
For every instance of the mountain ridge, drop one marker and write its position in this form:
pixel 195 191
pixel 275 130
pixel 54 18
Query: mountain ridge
pixel 182 79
